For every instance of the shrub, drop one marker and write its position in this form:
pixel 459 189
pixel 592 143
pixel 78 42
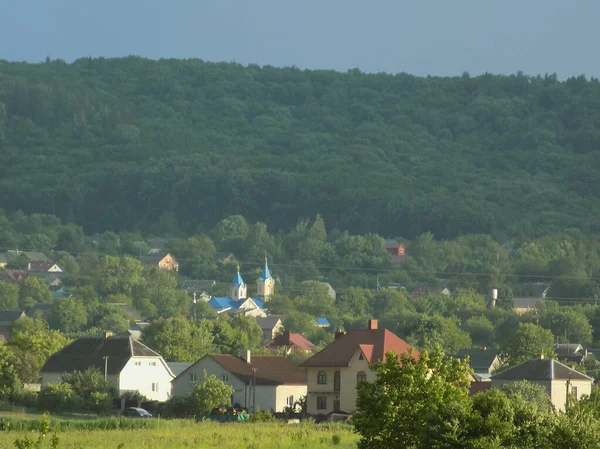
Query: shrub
pixel 58 396
pixel 260 416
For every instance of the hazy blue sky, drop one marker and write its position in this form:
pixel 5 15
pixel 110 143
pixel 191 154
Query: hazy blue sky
pixel 440 37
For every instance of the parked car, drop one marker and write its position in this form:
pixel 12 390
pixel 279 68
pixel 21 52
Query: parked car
pixel 136 412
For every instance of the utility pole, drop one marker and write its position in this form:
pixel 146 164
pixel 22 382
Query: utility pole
pixel 105 367
pixel 254 370
pixel 568 393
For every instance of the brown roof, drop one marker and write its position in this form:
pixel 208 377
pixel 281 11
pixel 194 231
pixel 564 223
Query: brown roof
pixel 271 369
pixel 374 343
pixel 290 339
pixel 89 352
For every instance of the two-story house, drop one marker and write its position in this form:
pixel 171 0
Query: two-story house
pixel 260 382
pixel 126 362
pixel 334 372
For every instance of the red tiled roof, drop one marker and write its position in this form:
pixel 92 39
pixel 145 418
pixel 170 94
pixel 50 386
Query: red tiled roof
pixel 374 343
pixel 290 339
pixel 271 369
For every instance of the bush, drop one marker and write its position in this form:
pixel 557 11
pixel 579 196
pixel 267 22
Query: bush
pixel 25 398
pixel 58 396
pixel 260 416
pixel 178 407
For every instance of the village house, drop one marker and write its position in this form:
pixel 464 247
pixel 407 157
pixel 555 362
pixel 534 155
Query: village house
pixel 483 361
pixel 397 251
pixel 160 260
pixel 526 304
pixel 290 343
pixel 43 267
pixel 260 382
pixel 129 365
pixel 559 380
pixel 271 326
pixel 334 372
pixel 571 352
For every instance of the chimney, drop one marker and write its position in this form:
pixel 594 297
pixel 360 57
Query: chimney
pixel 247 356
pixel 373 325
pixel 339 335
pixel 542 356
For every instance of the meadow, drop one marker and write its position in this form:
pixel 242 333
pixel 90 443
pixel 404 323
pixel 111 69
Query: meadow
pixel 114 433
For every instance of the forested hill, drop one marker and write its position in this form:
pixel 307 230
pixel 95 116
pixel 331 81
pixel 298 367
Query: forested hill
pixel 127 143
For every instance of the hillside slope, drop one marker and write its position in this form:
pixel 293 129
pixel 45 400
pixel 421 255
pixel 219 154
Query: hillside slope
pixel 126 143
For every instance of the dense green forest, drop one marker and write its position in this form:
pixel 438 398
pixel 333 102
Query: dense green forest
pixel 175 146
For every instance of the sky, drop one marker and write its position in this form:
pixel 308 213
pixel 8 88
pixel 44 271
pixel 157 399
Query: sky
pixel 421 37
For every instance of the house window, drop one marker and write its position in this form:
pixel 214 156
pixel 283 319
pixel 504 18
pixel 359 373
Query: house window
pixel 336 405
pixel 290 401
pixel 361 356
pixel 321 403
pixel 322 378
pixel 361 376
pixel 336 381
pixel 225 377
pixel 137 363
pixel 152 363
pixel 193 378
pixel 155 387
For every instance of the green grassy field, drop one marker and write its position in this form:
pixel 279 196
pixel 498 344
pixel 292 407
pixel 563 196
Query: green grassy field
pixel 174 434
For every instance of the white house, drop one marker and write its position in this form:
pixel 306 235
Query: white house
pixel 127 363
pixel 260 382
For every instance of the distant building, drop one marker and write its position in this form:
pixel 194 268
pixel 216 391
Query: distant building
pixel 7 319
pixel 322 322
pixel 271 326
pixel 197 286
pixel 290 343
pixel 330 291
pixel 397 251
pixel 160 260
pixel 524 305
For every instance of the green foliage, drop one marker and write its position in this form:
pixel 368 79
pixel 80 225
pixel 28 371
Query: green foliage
pixel 179 339
pixel 209 394
pixel 68 315
pixel 10 383
pixel 9 296
pixel 531 393
pixel 530 341
pixel 58 396
pixel 95 393
pixel 411 398
pixel 33 290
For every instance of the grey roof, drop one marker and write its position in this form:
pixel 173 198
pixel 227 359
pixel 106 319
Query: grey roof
pixel 268 322
pixel 178 367
pixel 567 349
pixel 89 352
pixel 152 259
pixel 527 302
pixel 8 316
pixel 540 369
pixel 479 359
pixel 197 285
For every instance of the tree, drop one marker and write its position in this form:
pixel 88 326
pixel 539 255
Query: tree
pixel 529 341
pixel 178 339
pixel 33 290
pixel 531 393
pixel 58 396
pixel 68 315
pixel 410 399
pixel 432 331
pixel 481 330
pixel 35 342
pixel 95 392
pixel 209 394
pixel 9 381
pixel 9 296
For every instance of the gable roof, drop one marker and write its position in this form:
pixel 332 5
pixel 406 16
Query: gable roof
pixel 10 316
pixel 567 349
pixel 178 367
pixel 89 352
pixel 479 359
pixel 374 343
pixel 220 302
pixel 271 369
pixel 154 258
pixel 269 322
pixel 291 339
pixel 197 285
pixel 540 369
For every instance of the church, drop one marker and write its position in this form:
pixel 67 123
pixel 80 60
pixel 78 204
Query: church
pixel 238 300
